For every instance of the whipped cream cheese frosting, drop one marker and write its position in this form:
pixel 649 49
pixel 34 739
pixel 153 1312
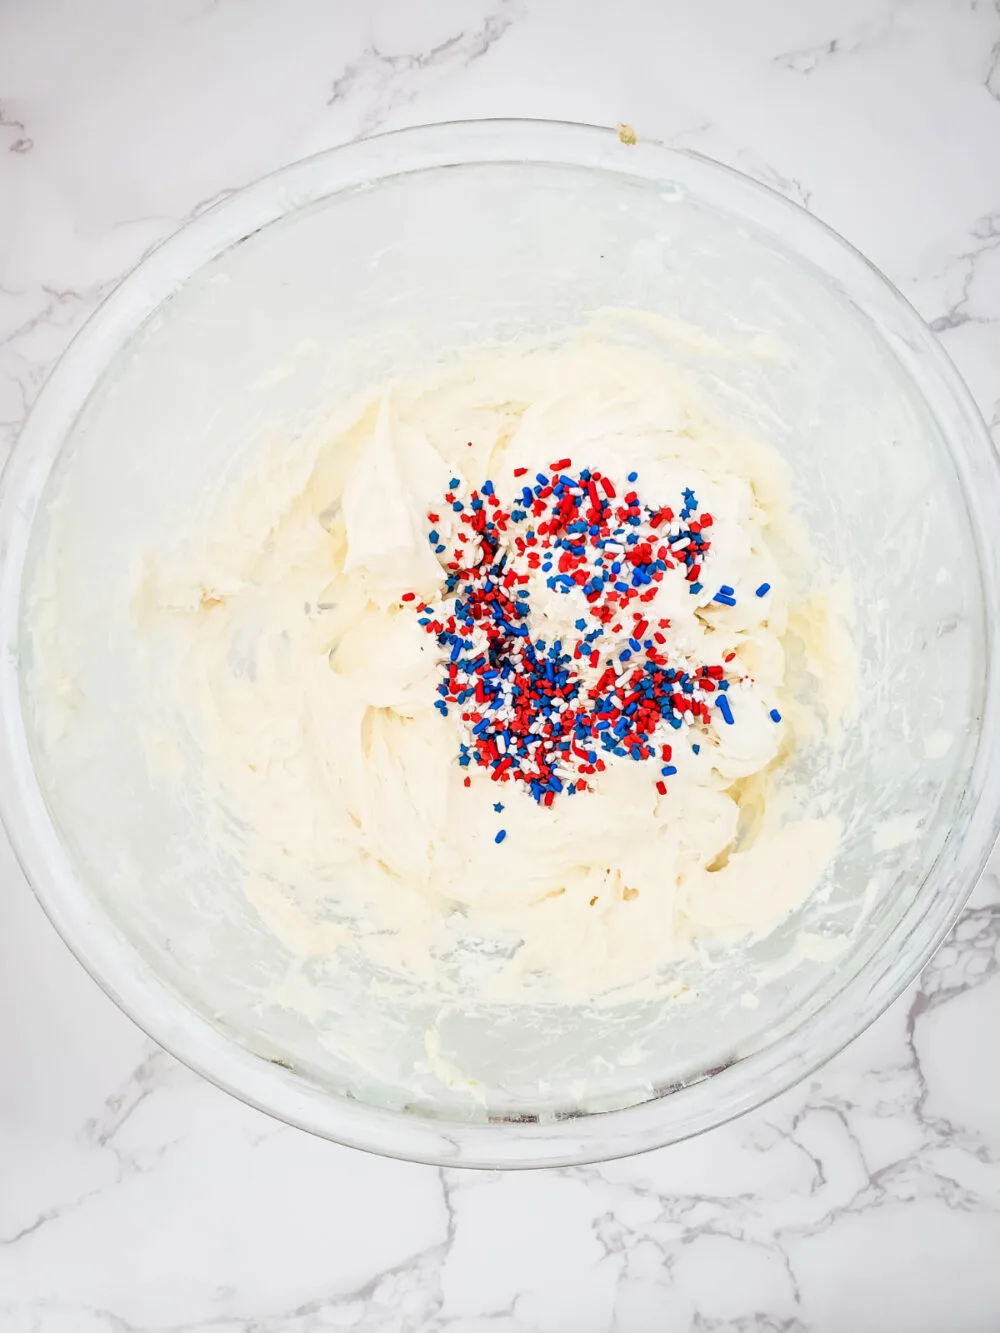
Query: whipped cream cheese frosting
pixel 349 735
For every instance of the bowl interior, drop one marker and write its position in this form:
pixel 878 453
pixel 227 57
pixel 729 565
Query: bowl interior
pixel 408 270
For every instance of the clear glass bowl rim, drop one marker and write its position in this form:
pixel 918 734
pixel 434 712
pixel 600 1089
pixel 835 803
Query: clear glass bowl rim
pixel 111 961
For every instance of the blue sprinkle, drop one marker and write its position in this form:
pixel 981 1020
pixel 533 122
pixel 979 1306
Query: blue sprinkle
pixel 580 624
pixel 695 588
pixel 725 710
pixel 774 715
pixel 433 537
pixel 724 599
pixel 500 836
pixel 729 592
pixel 438 550
pixel 668 770
pixel 487 488
pixel 696 749
pixel 455 481
pixel 498 808
pixel 633 476
pixel 635 645
pixel 763 590
pixel 458 506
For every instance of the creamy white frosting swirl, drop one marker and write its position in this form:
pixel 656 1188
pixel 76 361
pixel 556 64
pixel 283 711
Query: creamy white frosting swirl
pixel 308 688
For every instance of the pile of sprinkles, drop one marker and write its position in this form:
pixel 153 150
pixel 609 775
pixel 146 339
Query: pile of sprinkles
pixel 550 715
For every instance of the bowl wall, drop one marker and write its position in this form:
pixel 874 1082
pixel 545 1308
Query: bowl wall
pixel 402 253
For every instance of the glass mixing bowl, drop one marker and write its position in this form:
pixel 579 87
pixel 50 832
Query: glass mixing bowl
pixel 381 257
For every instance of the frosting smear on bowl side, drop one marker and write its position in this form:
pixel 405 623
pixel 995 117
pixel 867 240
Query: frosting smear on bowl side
pixel 487 679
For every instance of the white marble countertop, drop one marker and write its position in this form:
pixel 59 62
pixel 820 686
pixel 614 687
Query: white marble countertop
pixel 134 1196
